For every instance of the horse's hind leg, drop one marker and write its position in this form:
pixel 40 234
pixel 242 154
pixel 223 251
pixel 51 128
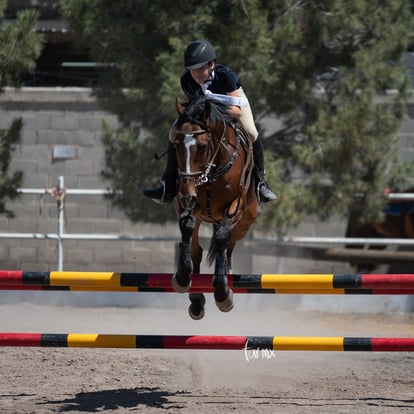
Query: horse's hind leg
pixel 223 295
pixel 181 281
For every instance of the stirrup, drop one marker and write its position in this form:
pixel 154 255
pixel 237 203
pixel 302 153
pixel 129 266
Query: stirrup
pixel 264 192
pixel 158 195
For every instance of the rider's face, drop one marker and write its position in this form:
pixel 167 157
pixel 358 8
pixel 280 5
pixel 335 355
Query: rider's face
pixel 202 74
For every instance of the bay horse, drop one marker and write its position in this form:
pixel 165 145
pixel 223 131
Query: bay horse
pixel 398 223
pixel 216 185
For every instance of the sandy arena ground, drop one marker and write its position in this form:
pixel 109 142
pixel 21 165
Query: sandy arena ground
pixel 53 380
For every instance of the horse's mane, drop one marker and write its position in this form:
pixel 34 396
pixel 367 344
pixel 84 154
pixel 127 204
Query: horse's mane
pixel 219 112
pixel 198 105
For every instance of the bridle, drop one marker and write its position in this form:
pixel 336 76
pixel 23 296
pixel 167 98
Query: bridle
pixel 206 174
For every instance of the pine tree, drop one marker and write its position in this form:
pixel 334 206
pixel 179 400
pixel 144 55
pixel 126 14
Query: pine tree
pixel 9 184
pixel 338 149
pixel 323 68
pixel 19 48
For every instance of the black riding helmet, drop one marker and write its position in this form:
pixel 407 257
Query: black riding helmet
pixel 198 53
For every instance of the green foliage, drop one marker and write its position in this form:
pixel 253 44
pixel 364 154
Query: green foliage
pixel 20 46
pixel 121 154
pixel 339 134
pixel 9 184
pixel 323 68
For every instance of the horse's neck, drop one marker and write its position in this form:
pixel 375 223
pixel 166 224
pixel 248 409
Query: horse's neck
pixel 227 145
pixel 217 129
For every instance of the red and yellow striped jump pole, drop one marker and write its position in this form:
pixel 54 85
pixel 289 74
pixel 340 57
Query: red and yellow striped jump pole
pixel 274 343
pixel 395 284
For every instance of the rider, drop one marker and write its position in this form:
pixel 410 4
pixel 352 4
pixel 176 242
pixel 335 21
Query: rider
pixel 203 74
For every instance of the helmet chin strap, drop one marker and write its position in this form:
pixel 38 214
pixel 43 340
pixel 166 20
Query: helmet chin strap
pixel 208 82
pixel 211 70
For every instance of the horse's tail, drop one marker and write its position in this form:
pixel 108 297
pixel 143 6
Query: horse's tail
pixel 212 251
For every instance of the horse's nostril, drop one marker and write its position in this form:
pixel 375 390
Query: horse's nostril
pixel 187 201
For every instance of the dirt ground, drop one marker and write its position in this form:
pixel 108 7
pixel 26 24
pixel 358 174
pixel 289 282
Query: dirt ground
pixel 53 380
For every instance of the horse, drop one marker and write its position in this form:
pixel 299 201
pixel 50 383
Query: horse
pixel 216 185
pixel 398 223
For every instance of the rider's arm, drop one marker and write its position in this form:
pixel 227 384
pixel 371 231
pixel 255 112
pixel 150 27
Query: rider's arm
pixel 234 111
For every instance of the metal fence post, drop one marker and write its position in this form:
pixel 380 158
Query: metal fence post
pixel 61 220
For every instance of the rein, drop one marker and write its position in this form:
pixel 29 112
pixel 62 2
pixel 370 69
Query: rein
pixel 222 170
pixel 205 175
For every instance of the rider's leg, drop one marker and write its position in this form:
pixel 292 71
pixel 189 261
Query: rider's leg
pixel 264 192
pixel 168 188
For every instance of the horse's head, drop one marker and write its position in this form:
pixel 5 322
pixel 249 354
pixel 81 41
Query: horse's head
pixel 192 140
pixel 199 135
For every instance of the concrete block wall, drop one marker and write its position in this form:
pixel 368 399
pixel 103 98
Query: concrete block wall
pixel 70 117
pixel 55 117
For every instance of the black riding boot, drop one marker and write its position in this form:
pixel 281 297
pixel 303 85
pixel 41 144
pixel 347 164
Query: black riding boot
pixel 166 192
pixel 264 192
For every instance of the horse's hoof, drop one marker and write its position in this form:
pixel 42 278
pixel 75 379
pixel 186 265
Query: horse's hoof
pixel 196 312
pixel 177 287
pixel 227 304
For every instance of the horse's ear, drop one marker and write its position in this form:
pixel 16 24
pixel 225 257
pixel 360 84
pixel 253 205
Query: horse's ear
pixel 180 108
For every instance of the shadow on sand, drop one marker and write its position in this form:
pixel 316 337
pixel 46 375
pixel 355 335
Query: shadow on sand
pixel 98 401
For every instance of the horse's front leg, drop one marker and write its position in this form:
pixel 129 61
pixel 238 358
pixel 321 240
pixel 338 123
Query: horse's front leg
pixel 223 295
pixel 198 300
pixel 181 280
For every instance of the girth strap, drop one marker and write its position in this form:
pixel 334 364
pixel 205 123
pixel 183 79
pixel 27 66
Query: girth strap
pixel 208 200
